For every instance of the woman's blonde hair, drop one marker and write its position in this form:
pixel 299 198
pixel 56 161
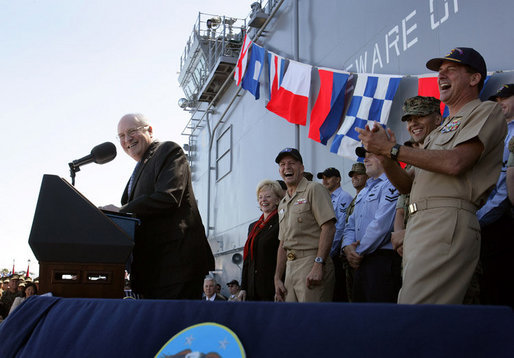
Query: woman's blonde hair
pixel 272 185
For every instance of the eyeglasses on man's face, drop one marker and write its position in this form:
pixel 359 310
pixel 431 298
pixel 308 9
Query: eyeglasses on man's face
pixel 130 132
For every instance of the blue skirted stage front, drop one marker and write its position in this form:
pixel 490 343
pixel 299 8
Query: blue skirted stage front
pixel 65 327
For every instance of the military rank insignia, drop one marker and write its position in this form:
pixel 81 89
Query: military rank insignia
pixel 451 126
pixel 300 201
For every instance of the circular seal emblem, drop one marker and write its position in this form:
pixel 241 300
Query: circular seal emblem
pixel 204 340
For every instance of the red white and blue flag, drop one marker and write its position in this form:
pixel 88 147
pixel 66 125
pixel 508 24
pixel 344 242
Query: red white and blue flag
pixel 291 100
pixel 328 110
pixel 276 69
pixel 242 60
pixel 371 102
pixel 253 70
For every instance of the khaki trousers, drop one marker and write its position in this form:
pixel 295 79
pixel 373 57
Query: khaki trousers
pixel 296 278
pixel 440 252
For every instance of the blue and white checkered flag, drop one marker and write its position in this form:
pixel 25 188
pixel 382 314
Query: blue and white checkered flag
pixel 371 102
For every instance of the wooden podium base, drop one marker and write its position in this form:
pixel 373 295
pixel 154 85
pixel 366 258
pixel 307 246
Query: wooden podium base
pixel 86 280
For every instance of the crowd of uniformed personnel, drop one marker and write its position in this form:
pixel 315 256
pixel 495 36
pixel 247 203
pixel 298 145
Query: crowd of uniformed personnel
pixel 426 247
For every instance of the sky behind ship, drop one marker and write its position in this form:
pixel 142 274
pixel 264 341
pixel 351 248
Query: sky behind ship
pixel 69 71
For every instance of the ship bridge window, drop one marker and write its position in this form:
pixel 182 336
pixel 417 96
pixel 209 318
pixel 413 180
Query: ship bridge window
pixel 190 90
pixel 224 154
pixel 199 73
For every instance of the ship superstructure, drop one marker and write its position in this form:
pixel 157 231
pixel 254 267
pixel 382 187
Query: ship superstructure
pixel 233 139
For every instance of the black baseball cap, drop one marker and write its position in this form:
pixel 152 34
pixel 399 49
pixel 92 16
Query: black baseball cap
pixel 233 282
pixel 504 92
pixel 361 152
pixel 463 55
pixel 282 184
pixel 329 172
pixel 289 151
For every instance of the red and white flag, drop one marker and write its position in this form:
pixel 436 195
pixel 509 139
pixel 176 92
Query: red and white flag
pixel 242 60
pixel 276 69
pixel 292 98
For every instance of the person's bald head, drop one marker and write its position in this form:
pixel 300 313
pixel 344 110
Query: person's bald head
pixel 135 134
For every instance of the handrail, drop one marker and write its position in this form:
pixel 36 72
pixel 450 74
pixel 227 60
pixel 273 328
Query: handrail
pixel 228 80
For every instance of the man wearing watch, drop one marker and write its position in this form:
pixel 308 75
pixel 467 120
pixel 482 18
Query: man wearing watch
pixel 455 170
pixel 367 238
pixel 306 231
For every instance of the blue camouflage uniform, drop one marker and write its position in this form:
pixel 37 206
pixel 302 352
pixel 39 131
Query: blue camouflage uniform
pixel 371 223
pixel 340 200
pixel 372 220
pixel 497 202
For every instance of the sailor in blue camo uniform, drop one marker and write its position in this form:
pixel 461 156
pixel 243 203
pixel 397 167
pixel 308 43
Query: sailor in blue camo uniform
pixel 367 238
pixel 331 179
pixel 340 200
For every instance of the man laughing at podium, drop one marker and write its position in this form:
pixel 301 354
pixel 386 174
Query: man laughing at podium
pixel 171 255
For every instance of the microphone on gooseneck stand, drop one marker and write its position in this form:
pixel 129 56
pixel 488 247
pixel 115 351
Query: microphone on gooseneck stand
pixel 101 154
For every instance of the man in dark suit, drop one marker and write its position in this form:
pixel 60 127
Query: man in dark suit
pixel 171 254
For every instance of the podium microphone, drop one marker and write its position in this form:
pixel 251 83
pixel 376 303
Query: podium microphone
pixel 101 154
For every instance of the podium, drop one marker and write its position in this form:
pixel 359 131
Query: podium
pixel 82 251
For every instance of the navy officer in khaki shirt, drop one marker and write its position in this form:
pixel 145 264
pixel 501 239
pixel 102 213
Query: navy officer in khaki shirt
pixel 306 231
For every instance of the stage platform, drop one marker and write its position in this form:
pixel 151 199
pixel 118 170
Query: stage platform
pixel 67 327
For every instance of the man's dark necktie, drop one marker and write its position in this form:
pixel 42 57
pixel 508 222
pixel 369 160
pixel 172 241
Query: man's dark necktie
pixel 132 178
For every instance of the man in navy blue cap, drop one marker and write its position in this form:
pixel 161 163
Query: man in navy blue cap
pixel 306 231
pixel 470 60
pixel 331 179
pixel 455 170
pixel 367 238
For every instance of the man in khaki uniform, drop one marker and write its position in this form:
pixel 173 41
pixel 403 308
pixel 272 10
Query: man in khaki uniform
pixel 456 168
pixel 306 231
pixel 421 116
